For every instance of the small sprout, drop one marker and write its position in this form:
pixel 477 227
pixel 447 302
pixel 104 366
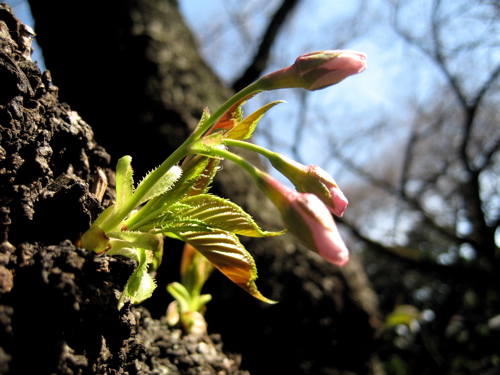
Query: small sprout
pixel 189 304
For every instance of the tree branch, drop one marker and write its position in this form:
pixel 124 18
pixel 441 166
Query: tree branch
pixel 259 62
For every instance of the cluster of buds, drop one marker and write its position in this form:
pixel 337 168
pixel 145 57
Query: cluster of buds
pixel 306 211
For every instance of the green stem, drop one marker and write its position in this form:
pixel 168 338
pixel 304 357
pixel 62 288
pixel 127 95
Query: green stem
pixel 252 147
pixel 118 217
pixel 114 222
pixel 223 153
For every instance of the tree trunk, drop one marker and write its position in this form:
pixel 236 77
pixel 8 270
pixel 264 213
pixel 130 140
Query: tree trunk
pixel 131 70
pixel 58 303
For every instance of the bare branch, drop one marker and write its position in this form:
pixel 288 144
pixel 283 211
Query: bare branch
pixel 412 202
pixel 260 60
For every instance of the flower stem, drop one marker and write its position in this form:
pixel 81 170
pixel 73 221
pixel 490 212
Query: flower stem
pixel 223 153
pixel 252 147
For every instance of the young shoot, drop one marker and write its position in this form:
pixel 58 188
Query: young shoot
pixel 174 200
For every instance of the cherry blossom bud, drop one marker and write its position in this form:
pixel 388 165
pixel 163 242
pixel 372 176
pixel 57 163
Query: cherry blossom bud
pixel 316 70
pixel 312 179
pixel 308 219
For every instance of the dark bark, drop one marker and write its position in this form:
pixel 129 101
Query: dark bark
pixel 58 303
pixel 132 71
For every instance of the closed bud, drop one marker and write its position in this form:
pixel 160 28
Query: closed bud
pixel 312 179
pixel 308 219
pixel 316 70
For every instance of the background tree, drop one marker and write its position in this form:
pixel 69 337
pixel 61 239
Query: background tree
pixel 419 163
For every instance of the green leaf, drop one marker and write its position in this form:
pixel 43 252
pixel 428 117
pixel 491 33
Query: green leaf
pixel 223 214
pixel 205 212
pixel 124 181
pixel 204 117
pixel 229 256
pixel 105 215
pixel 229 120
pixel 202 301
pixel 123 248
pixel 126 242
pixel 244 129
pixel 171 222
pixel 181 295
pixel 162 185
pixel 202 184
pixel 140 284
pixel 201 171
pixel 197 175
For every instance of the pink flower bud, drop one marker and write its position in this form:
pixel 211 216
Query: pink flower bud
pixel 312 179
pixel 337 202
pixel 316 70
pixel 308 219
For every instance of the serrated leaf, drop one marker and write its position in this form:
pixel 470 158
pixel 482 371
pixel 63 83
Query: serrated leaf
pixel 229 256
pixel 223 214
pixel 123 248
pixel 140 284
pixel 198 173
pixel 124 181
pixel 204 117
pixel 170 222
pixel 201 184
pixel 231 118
pixel 162 185
pixel 244 129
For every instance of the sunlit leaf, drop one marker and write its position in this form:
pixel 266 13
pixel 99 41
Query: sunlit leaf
pixel 171 221
pixel 201 184
pixel 229 120
pixel 245 128
pixel 205 212
pixel 124 180
pixel 162 185
pixel 229 256
pixel 223 214
pixel 181 295
pixel 140 284
pixel 204 117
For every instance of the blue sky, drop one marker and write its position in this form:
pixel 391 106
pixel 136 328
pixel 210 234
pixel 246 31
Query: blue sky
pixel 364 116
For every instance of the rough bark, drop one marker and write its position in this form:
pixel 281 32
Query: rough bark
pixel 58 303
pixel 132 71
